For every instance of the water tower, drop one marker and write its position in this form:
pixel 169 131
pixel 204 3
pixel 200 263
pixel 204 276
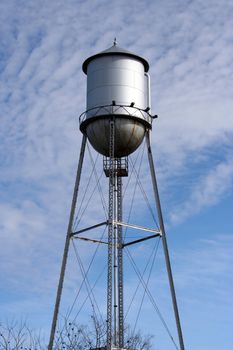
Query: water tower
pixel 116 121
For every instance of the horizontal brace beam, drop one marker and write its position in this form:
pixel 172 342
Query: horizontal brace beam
pixel 90 240
pixel 140 240
pixel 89 228
pixel 136 227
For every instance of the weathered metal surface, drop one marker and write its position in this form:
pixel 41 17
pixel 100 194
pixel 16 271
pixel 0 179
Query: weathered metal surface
pixel 129 134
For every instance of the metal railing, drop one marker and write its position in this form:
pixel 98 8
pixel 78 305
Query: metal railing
pixel 115 109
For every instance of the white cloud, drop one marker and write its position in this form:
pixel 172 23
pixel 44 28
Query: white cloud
pixel 207 192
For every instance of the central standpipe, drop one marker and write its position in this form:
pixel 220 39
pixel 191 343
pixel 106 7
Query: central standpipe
pixel 115 256
pixel 110 235
pixel 120 261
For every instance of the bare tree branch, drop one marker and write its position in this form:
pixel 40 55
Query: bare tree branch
pixel 69 336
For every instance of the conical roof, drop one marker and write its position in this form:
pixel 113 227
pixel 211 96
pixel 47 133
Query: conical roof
pixel 115 50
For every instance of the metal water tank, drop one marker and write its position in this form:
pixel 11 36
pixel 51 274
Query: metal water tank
pixel 117 87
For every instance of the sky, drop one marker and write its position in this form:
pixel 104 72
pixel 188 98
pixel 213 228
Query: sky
pixel 188 45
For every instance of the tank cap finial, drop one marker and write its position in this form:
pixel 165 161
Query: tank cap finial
pixel 115 42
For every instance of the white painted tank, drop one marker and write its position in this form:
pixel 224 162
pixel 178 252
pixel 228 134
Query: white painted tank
pixel 117 86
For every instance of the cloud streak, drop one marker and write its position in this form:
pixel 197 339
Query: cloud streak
pixel 207 192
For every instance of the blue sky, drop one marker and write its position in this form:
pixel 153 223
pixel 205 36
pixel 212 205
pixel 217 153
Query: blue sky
pixel 42 92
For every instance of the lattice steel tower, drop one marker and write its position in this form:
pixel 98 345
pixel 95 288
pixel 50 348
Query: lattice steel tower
pixel 117 119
